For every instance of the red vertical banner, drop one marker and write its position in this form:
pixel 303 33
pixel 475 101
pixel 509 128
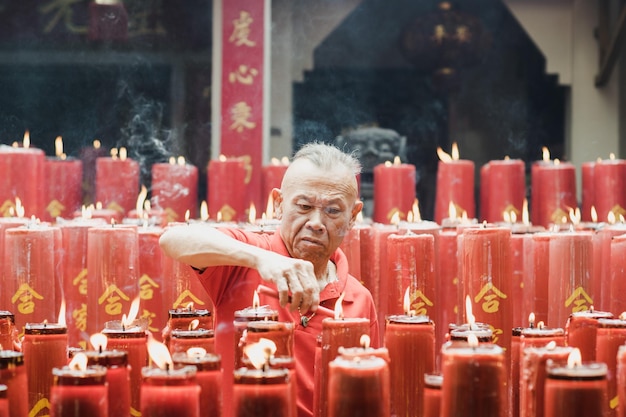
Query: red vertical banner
pixel 243 91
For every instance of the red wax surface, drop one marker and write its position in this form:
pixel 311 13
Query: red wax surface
pixel 227 182
pixel 578 392
pixel 621 381
pixel 588 194
pixel 502 189
pixel 166 393
pixel 151 279
pixel 611 334
pixel 271 177
pixel 455 184
pixel 181 340
pixel 432 395
pixel 610 188
pixel 261 393
pixel 7 330
pixel 449 294
pixel 553 188
pixel 394 191
pixel 538 280
pixel 79 393
pixel 617 285
pixel 581 331
pixel 23 178
pixel 175 190
pixel 63 193
pixel 209 376
pixel 117 378
pixel 117 183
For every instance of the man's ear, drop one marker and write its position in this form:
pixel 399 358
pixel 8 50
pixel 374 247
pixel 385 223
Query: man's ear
pixel 277 196
pixel 358 206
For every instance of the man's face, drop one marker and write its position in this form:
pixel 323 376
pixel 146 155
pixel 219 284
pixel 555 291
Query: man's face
pixel 317 209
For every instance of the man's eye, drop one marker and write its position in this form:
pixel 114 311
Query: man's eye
pixel 304 207
pixel 332 211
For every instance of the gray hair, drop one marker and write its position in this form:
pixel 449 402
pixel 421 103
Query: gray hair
pixel 328 157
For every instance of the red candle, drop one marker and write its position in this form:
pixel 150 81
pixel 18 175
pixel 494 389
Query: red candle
pixel 521 298
pixel 611 334
pixel 280 333
pixel 151 279
pixel 455 185
pixel 411 265
pixel 432 395
pixel 75 277
pixel 394 190
pixel 360 385
pixel 132 339
pixel 336 332
pixel 351 247
pixel 474 380
pixel 172 392
pixel 570 276
pixel 588 193
pixel 621 381
pixel 241 320
pixel 88 156
pixel 63 193
pixel 504 185
pixel 272 177
pixel 261 392
pixel 209 377
pixel 8 333
pixel 175 189
pixel 29 265
pixel 411 344
pixel 533 376
pixel 182 318
pixel 553 192
pixel 22 172
pixel 604 259
pixel 448 292
pixel 117 182
pixel 576 390
pixel 79 392
pixel 112 265
pixel 45 348
pixel 182 340
pixel 117 378
pixel 536 283
pixel 4 402
pixel 610 188
pixel 617 285
pixel 486 276
pixel 227 180
pixel 13 375
pixel 581 331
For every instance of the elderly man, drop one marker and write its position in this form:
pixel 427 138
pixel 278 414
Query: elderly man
pixel 317 205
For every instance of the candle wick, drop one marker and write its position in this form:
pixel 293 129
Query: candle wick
pixel 123 327
pixel 100 349
pixel 167 367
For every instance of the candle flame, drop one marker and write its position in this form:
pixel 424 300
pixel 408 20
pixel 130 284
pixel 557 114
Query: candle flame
pixel 557 161
pixel 551 345
pixel 222 158
pixel 541 325
pixel 96 144
pixel 284 160
pixel 443 155
pixel 255 300
pixel 610 218
pixel 187 215
pixel 339 307
pixel 19 210
pixel 364 341
pixel 58 147
pixel 269 209
pixel 86 212
pixel 506 217
pixel 172 160
pixel 472 340
pixel 132 314
pixel 396 160
pixel 99 205
pixel 395 218
pixel 275 161
pixel 455 151
pixel 531 320
pixel 388 163
pixel 252 214
pixel 114 153
pixel 204 211
pixel 218 216
pixel 545 154
pixel 181 161
pixel 189 306
pixel 525 215
pixel 98 341
pixel 196 352
pixel 471 320
pixel 159 354
pixel 141 199
pixel 574 215
pixel 574 359
pixel 61 318
pixel 612 156
pixel 78 362
pixel 260 353
pixel 406 303
pixel 594 214
pixel 452 210
pixel 123 154
pixel 26 140
pixel 416 215
pixel 193 325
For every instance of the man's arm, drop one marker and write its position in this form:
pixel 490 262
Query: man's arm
pixel 203 246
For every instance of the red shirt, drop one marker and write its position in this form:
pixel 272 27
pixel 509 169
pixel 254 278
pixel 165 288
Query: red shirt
pixel 232 288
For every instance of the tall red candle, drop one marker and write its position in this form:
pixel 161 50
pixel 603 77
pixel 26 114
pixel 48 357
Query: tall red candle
pixel 536 283
pixel 112 271
pixel 610 188
pixel 394 190
pixel 117 378
pixel 611 334
pixel 449 292
pixel 411 344
pixel 152 279
pixel 553 192
pixel 588 193
pixel 172 392
pixel 30 286
pixel 272 177
pixel 605 241
pixel 209 377
pixel 533 376
pixel 617 283
pixel 117 182
pixel 351 247
pixel 79 392
pixel 63 193
pixel 8 334
pixel 181 319
pixel 570 275
pixel 521 299
pixel 259 392
pixel 360 385
pixel 474 380
pixel 227 180
pixel 182 340
pixel 576 391
pixel 581 331
pixel 175 190
pixel 432 395
pixel 23 178
pixel 13 374
pixel 45 348
pixel 455 185
pixel 504 185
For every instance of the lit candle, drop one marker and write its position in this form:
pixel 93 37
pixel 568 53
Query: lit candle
pixel 45 348
pixel 144 214
pixel 394 190
pixel 432 395
pixel 183 340
pixel 259 392
pixel 209 376
pixel 410 339
pixel 581 331
pixel 606 256
pixel 537 281
pixel 272 177
pixel 533 376
pixel 448 291
pixel 175 189
pixel 455 184
pixel 166 391
pixel 13 374
pixel 117 375
pixel 502 188
pixel 280 333
pixel 117 181
pixel 151 278
pixel 182 318
pixel 610 187
pixel 611 334
pixel 88 156
pixel 22 172
pixel 617 284
pixel 63 176
pixel 351 246
pixel 227 180
pixel 8 333
pixel 588 194
pixel 474 380
pixel 79 390
pixel 96 211
pixel 577 389
pixel 242 317
pixel 112 273
pixel 358 386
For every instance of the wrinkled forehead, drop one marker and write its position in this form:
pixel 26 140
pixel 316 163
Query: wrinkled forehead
pixel 303 174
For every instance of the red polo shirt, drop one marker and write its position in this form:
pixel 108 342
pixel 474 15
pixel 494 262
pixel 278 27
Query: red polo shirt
pixel 232 288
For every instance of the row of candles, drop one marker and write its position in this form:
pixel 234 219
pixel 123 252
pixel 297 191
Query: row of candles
pixel 174 186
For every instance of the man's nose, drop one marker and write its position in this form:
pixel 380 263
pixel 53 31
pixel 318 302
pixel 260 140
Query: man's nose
pixel 315 219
